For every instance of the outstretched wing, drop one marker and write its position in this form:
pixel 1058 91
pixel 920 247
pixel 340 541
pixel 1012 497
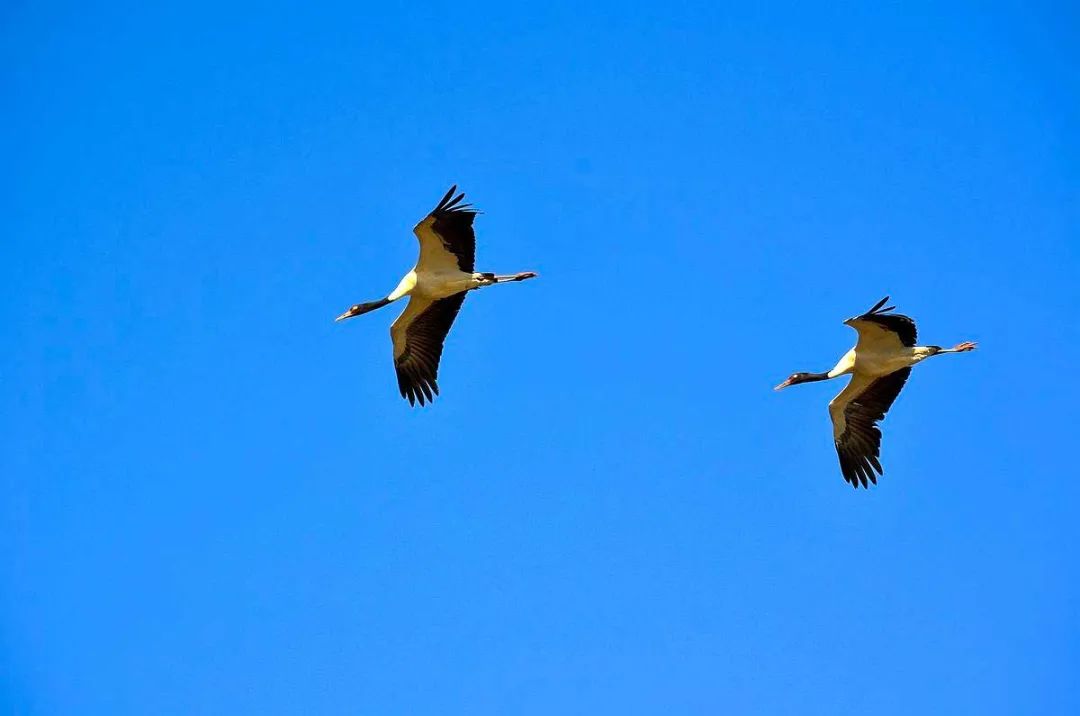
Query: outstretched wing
pixel 880 330
pixel 418 335
pixel 855 413
pixel 447 239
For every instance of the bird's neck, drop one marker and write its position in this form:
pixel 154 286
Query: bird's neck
pixel 814 377
pixel 372 305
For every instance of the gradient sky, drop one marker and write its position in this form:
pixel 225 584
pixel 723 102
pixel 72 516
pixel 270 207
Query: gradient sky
pixel 215 502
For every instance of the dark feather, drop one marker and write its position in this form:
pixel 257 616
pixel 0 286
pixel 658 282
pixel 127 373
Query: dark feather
pixel 879 304
pixel 454 225
pixel 418 365
pixel 859 446
pixel 898 323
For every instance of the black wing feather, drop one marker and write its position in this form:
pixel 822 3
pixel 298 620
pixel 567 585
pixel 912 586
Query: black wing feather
pixel 454 225
pixel 859 447
pixel 418 365
pixel 898 323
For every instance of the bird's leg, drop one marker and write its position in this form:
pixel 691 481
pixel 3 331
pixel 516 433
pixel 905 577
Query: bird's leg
pixel 961 347
pixel 515 277
pixel 488 279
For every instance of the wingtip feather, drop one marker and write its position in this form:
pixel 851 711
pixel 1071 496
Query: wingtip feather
pixel 446 198
pixel 879 304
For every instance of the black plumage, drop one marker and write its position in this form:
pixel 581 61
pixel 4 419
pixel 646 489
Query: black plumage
pixel 453 223
pixel 898 323
pixel 859 446
pixel 418 365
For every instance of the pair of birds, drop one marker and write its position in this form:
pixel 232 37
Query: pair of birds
pixel 879 364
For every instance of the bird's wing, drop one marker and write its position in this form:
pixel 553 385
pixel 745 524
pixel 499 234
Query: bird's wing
pixel 880 331
pixel 855 413
pixel 891 331
pixel 447 240
pixel 418 336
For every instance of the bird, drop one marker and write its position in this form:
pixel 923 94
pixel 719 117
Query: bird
pixel 436 288
pixel 879 365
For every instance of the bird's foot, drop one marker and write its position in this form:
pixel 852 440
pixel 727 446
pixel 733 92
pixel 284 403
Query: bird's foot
pixel 965 347
pixel 524 275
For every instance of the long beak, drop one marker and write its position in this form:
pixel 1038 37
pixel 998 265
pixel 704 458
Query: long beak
pixel 783 385
pixel 348 314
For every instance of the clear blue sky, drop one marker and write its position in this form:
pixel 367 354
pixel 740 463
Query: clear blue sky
pixel 215 502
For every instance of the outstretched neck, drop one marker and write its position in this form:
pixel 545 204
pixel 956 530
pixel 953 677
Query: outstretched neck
pixel 372 305
pixel 797 378
pixel 361 308
pixel 813 377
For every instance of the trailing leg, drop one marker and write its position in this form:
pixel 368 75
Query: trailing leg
pixel 515 277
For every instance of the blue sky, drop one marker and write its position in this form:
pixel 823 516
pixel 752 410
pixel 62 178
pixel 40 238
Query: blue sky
pixel 215 502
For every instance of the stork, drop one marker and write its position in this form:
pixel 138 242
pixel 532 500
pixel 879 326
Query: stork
pixel 879 364
pixel 436 288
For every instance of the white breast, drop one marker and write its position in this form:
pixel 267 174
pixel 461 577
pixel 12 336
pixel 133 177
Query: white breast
pixel 845 365
pixel 405 286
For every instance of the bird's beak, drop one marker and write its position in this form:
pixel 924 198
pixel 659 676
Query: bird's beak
pixel 783 385
pixel 348 314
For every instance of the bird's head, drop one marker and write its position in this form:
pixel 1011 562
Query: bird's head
pixel 361 308
pixel 796 378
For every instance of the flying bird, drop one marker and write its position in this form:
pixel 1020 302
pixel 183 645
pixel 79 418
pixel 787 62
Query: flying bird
pixel 436 288
pixel 879 365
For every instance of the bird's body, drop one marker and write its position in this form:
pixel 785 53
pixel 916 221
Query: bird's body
pixel 879 365
pixel 876 362
pixel 436 288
